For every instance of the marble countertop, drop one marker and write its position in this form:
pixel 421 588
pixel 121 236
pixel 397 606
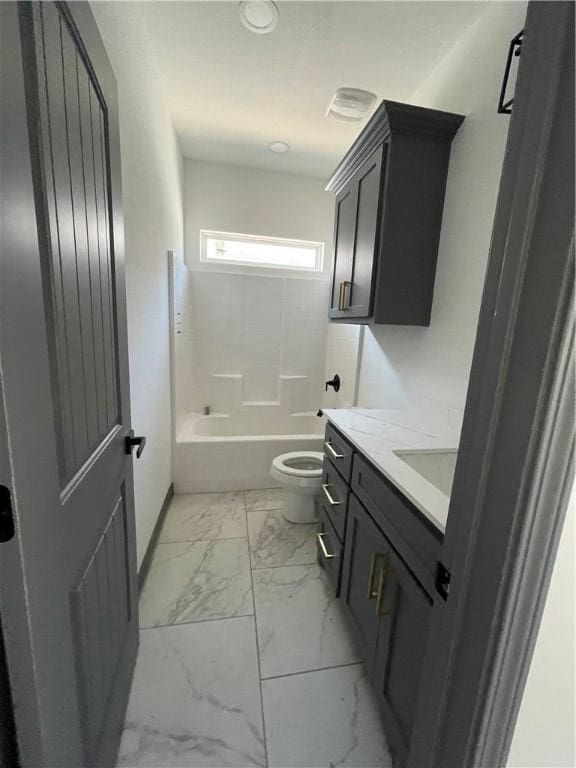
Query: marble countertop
pixel 378 433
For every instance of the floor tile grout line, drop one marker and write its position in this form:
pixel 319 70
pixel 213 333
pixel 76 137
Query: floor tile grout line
pixel 197 621
pixel 257 644
pixel 291 565
pixel 315 669
pixel 284 565
pixel 193 541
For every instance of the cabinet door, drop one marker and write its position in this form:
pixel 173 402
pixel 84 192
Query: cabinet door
pixel 358 298
pixel 365 556
pixel 344 234
pixel 402 635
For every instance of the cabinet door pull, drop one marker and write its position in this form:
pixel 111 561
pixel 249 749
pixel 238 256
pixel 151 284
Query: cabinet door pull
pixel 376 557
pixel 341 296
pixel 345 284
pixel 320 540
pixel 380 593
pixel 335 455
pixel 331 500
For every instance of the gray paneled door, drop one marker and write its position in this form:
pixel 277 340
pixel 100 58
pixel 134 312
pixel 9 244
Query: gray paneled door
pixel 65 371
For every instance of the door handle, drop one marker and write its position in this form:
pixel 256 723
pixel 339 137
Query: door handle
pixel 6 516
pixel 372 593
pixel 341 297
pixel 380 593
pixel 342 294
pixel 131 440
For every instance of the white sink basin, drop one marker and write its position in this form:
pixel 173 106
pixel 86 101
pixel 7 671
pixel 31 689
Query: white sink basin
pixel 436 466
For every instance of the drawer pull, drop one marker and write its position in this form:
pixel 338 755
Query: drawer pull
pixel 335 455
pixel 376 557
pixel 320 540
pixel 331 500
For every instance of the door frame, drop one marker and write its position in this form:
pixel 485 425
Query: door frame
pixel 516 461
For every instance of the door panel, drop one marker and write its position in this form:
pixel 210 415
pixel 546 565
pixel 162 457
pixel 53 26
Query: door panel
pixel 79 268
pixel 365 556
pixel 368 180
pixel 399 656
pixel 345 228
pixel 67 398
pixel 100 616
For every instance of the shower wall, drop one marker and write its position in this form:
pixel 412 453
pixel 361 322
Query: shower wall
pixel 244 339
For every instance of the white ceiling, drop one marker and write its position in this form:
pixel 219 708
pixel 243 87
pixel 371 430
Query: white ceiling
pixel 231 91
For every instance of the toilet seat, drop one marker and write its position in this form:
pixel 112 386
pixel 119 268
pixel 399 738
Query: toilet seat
pixel 297 464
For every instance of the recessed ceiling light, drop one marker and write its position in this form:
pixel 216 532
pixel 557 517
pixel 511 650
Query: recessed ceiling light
pixel 280 147
pixel 260 16
pixel 350 104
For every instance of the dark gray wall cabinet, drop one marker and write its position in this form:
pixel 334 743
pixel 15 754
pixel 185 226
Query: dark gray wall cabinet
pixel 389 199
pixel 380 552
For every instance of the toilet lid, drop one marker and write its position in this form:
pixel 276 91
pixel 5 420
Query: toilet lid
pixel 300 463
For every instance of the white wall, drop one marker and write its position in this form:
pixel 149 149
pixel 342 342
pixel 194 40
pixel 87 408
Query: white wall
pixel 402 364
pixel 250 201
pixel 255 325
pixel 343 343
pixel 152 196
pixel 545 731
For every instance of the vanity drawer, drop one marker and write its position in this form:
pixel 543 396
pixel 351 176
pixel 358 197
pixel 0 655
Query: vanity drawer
pixel 414 537
pixel 334 498
pixel 339 451
pixel 329 549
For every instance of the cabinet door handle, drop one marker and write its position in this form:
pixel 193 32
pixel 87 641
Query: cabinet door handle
pixel 345 284
pixel 331 500
pixel 335 455
pixel 340 296
pixel 376 557
pixel 380 593
pixel 320 540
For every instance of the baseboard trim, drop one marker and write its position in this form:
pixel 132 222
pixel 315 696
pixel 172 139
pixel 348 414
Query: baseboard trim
pixel 145 566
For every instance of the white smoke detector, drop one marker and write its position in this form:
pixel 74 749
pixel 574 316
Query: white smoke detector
pixel 260 16
pixel 279 147
pixel 350 104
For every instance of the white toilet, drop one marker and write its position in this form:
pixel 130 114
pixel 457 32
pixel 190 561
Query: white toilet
pixel 300 474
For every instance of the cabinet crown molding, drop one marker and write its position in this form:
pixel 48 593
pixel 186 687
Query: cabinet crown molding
pixel 390 119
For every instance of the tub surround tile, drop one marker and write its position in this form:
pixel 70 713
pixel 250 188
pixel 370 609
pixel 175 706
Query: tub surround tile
pixel 276 542
pixel 323 718
pixel 265 498
pixel 300 623
pixel 205 516
pixel 195 698
pixel 193 581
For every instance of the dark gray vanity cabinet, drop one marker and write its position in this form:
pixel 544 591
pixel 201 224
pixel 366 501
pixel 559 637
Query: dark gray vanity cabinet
pixel 404 616
pixel 380 553
pixel 389 191
pixel 366 554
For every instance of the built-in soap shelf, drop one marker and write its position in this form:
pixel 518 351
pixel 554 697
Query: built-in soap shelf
pixel 227 394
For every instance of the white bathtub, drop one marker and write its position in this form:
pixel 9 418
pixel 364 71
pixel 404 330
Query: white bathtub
pixel 229 453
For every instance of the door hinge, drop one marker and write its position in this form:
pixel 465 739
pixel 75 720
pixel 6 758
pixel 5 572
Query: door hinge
pixel 6 516
pixel 442 581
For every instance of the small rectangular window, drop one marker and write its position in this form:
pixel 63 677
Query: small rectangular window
pixel 256 251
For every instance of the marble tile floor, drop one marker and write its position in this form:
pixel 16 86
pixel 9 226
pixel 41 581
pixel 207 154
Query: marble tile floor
pixel 246 658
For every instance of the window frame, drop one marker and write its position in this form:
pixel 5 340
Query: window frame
pixel 316 246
